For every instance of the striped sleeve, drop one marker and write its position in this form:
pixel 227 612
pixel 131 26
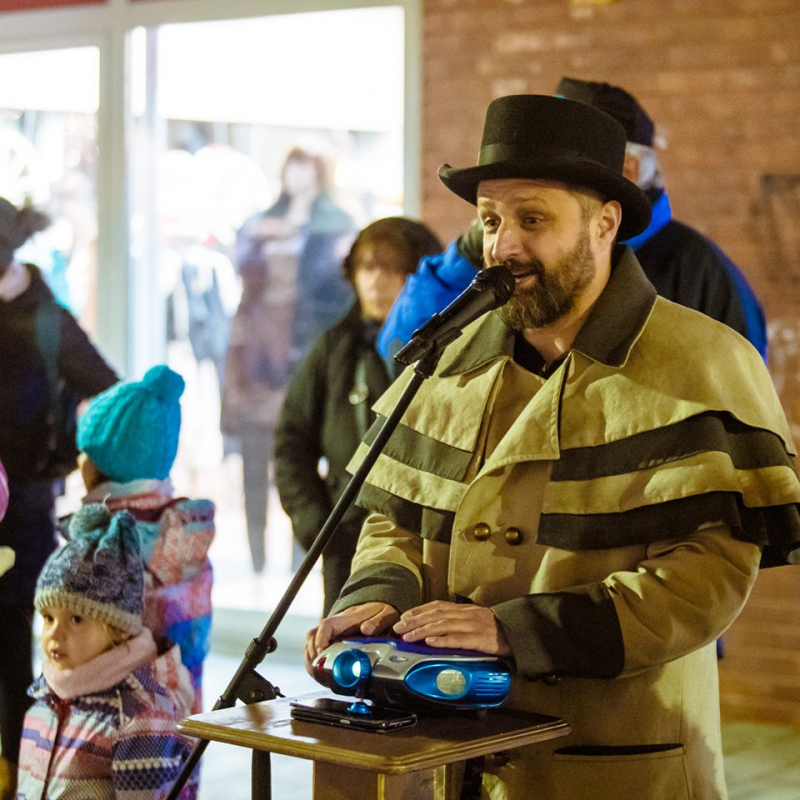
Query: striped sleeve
pixel 147 758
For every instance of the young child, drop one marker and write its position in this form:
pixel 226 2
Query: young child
pixel 129 439
pixel 102 725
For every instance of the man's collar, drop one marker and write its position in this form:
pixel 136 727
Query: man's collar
pixel 610 331
pixel 619 315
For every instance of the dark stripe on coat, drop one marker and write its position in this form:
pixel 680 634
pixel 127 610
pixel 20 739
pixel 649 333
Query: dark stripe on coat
pixel 749 448
pixel 430 523
pixel 422 452
pixel 577 633
pixel 780 525
pixel 392 583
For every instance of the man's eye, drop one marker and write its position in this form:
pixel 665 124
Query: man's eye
pixel 489 223
pixel 77 619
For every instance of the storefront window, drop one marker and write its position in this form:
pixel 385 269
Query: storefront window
pixel 230 121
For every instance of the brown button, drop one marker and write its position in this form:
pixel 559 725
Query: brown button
pixel 513 535
pixel 481 531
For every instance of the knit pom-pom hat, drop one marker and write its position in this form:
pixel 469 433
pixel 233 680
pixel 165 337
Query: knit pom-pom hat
pixel 98 573
pixel 131 430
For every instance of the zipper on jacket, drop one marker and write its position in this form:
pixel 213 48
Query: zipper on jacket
pixel 61 707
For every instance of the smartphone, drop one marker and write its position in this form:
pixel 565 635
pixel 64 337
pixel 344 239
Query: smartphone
pixel 337 712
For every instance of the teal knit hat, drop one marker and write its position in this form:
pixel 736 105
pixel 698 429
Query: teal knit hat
pixel 131 430
pixel 98 573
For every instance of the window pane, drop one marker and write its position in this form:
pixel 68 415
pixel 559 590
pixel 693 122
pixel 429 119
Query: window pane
pixel 217 110
pixel 48 157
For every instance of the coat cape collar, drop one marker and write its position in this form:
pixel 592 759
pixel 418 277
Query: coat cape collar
pixel 613 326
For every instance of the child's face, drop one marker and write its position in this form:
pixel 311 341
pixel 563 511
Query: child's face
pixel 69 640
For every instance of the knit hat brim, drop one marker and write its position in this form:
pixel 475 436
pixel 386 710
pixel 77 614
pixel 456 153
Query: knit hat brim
pixel 55 597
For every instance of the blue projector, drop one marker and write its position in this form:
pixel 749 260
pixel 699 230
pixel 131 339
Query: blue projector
pixel 397 674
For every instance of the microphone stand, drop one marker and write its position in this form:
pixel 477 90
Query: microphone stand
pixel 248 685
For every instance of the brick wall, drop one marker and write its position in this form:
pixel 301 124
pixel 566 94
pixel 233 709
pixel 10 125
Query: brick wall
pixel 722 81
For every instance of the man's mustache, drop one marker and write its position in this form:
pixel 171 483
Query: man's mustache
pixel 523 269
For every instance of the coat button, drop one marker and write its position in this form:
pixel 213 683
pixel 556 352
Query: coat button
pixel 513 535
pixel 481 531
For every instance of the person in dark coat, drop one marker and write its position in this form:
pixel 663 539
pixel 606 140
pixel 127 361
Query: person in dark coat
pixel 680 262
pixel 327 407
pixel 26 440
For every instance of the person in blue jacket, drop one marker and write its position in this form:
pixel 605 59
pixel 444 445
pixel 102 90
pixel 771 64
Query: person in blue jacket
pixel 682 264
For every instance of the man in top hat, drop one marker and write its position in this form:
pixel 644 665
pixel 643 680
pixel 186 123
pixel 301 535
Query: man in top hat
pixel 681 263
pixel 587 485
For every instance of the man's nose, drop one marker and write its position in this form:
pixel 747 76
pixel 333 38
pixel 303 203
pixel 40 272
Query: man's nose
pixel 506 245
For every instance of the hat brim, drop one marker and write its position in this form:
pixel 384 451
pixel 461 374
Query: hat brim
pixel 636 209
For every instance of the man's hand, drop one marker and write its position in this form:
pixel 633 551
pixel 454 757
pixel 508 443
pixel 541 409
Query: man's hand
pixel 368 619
pixel 466 627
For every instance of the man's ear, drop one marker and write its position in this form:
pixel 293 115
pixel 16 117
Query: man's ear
pixel 608 221
pixel 631 169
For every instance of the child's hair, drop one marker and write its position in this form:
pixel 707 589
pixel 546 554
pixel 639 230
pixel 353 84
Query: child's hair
pixel 98 573
pixel 131 430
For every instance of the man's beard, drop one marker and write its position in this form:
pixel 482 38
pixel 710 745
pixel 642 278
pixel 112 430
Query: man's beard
pixel 555 291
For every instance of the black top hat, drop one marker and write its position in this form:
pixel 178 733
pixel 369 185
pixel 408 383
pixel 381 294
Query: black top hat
pixel 617 102
pixel 550 138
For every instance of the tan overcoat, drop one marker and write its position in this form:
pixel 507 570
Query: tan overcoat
pixel 612 511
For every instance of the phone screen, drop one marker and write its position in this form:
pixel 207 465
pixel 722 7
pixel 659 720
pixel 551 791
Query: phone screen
pixel 337 712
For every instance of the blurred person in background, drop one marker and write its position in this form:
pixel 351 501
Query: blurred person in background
pixel 256 373
pixel 289 260
pixel 327 409
pixel 304 235
pixel 45 358
pixel 683 265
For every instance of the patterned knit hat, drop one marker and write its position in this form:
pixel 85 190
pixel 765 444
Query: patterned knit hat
pixel 98 573
pixel 131 430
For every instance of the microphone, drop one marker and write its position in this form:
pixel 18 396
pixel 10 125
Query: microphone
pixel 490 288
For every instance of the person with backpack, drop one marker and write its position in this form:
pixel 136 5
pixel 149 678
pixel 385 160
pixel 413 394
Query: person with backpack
pixel 47 364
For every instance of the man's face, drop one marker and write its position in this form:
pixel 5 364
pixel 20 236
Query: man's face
pixel 69 639
pixel 539 231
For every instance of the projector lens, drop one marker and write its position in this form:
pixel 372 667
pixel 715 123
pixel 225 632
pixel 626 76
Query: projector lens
pixel 351 668
pixel 451 681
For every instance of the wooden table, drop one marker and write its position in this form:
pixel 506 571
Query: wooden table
pixel 408 764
